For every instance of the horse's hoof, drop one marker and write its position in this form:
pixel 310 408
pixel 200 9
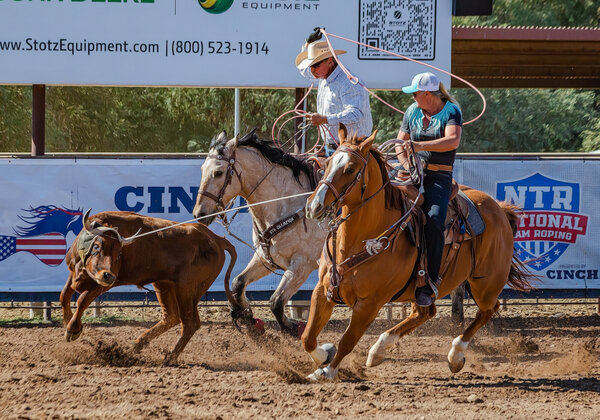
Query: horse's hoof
pixel 331 351
pixel 70 336
pixel 323 374
pixel 169 361
pixel 455 368
pixel 296 330
pixel 375 359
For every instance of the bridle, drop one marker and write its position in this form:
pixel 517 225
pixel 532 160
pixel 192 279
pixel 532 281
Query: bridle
pixel 231 169
pixel 338 197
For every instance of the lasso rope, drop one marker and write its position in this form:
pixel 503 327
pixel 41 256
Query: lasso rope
pixel 221 212
pixel 353 79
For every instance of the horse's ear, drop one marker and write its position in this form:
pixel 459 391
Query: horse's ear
pixel 366 144
pixel 218 140
pixel 231 145
pixel 342 133
pixel 222 137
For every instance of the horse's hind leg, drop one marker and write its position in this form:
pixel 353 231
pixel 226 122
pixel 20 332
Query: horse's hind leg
pixel 165 294
pixel 456 356
pixel 417 317
pixel 485 291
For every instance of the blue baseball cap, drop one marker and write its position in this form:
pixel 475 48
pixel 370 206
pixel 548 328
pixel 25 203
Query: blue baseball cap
pixel 427 82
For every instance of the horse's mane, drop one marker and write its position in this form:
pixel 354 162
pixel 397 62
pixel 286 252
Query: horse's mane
pixel 268 150
pixel 393 196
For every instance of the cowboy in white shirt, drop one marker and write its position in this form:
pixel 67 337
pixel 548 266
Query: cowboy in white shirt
pixel 338 99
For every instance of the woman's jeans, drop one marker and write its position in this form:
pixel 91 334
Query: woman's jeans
pixel 437 186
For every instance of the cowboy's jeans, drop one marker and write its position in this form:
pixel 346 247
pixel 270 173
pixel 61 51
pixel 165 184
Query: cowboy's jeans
pixel 437 186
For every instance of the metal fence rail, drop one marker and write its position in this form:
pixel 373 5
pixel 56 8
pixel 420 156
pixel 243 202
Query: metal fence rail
pixel 297 308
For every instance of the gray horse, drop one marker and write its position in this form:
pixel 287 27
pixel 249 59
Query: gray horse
pixel 283 238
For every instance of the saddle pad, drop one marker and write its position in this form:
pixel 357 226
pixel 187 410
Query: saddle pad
pixel 474 219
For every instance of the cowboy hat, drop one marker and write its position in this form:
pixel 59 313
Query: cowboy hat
pixel 315 52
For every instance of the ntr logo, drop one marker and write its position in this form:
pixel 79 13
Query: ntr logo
pixel 551 220
pixel 215 6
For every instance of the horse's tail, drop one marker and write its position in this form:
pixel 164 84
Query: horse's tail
pixel 519 277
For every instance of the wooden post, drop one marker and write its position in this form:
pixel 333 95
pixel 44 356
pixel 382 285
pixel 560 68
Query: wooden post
pixel 298 146
pixel 503 304
pixel 388 311
pixel 97 310
pixel 47 311
pixel 35 310
pixel 403 313
pixel 299 309
pixel 38 121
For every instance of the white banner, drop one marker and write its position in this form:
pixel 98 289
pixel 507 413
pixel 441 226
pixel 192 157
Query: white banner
pixel 236 43
pixel 43 201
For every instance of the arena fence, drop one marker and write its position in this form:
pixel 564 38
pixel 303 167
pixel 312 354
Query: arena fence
pixel 550 188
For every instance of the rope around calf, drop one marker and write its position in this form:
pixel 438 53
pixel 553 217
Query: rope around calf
pixel 221 212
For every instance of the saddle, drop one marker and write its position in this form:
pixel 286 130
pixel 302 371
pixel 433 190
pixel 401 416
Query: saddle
pixel 463 222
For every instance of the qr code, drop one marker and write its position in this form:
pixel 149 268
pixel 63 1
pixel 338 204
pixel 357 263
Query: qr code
pixel 405 27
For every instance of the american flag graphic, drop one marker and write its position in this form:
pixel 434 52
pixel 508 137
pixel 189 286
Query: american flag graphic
pixel 50 248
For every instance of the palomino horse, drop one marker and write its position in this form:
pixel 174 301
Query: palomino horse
pixel 356 180
pixel 283 238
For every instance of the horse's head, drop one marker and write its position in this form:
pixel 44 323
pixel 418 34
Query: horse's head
pixel 49 219
pixel 344 180
pixel 218 185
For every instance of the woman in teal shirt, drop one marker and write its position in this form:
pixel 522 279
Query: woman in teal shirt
pixel 433 125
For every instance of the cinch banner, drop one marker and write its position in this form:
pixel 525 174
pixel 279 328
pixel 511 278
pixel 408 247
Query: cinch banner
pixel 44 200
pixel 230 43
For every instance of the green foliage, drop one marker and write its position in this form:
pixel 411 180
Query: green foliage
pixel 527 120
pixel 15 119
pixel 572 13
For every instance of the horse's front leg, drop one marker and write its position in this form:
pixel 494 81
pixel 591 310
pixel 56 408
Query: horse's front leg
pixel 363 314
pixel 240 309
pixel 291 281
pixel 320 312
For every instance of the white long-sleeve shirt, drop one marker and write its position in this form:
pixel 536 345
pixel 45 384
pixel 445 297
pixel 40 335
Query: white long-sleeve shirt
pixel 342 102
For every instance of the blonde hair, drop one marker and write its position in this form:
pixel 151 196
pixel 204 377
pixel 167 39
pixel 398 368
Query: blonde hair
pixel 444 95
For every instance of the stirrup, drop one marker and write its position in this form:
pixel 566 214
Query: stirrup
pixel 433 286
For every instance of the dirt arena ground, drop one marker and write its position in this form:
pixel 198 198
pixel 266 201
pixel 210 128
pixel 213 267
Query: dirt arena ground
pixel 531 362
